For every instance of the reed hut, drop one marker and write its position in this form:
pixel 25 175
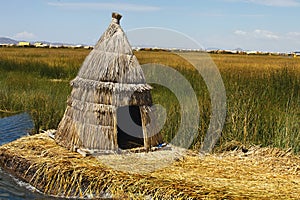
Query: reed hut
pixel 110 104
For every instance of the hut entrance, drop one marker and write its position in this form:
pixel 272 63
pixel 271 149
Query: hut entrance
pixel 129 127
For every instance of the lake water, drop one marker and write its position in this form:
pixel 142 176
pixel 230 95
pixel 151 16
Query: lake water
pixel 12 128
pixel 13 189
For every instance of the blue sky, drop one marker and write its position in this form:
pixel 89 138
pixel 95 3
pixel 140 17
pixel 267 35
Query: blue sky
pixel 266 25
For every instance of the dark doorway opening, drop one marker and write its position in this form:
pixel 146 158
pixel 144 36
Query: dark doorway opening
pixel 129 127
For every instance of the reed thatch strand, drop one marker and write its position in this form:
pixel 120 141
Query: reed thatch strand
pixel 79 82
pixel 116 68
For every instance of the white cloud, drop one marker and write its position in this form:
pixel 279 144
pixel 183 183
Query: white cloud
pixel 258 34
pixel 293 34
pixel 104 6
pixel 276 3
pixel 24 36
pixel 264 34
pixel 252 15
pixel 219 14
pixel 257 40
pixel 239 32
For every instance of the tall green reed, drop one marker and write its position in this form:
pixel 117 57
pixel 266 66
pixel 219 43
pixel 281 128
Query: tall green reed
pixel 263 96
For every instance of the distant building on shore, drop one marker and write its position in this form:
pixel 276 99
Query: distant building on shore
pixel 296 53
pixel 24 44
pixel 7 45
pixel 41 45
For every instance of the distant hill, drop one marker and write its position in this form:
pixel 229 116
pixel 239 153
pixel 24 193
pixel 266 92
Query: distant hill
pixel 5 40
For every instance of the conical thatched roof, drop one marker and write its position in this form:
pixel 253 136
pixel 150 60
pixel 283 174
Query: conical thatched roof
pixel 110 79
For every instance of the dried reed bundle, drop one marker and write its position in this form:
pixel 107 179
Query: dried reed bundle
pixel 260 173
pixel 109 78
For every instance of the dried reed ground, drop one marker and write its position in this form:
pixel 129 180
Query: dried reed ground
pixel 260 173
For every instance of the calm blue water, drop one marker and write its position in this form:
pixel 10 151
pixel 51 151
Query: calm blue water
pixel 12 189
pixel 12 128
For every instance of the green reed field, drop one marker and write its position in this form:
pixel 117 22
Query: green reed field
pixel 263 92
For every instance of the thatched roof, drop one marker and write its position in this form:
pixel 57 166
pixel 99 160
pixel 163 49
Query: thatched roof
pixel 110 77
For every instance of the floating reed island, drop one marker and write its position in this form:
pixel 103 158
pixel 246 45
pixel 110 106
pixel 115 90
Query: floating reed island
pixel 258 173
pixel 109 96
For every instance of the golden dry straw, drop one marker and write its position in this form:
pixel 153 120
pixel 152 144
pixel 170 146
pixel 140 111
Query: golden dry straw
pixel 260 173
